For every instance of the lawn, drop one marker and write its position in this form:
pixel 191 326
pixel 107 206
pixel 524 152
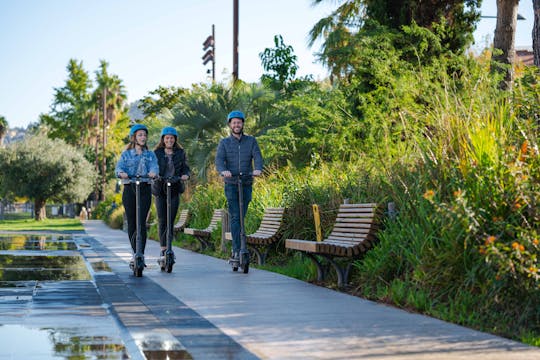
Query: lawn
pixel 60 224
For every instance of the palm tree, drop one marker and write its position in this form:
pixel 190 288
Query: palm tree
pixel 201 114
pixel 336 30
pixel 108 105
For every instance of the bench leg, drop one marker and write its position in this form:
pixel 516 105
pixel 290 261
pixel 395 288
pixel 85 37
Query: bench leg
pixel 204 244
pixel 342 273
pixel 320 268
pixel 261 256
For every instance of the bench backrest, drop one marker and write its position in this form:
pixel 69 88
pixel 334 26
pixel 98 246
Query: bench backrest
pixel 356 223
pixel 272 219
pixel 216 217
pixel 182 219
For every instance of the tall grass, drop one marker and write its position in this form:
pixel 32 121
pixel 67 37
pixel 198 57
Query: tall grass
pixel 467 232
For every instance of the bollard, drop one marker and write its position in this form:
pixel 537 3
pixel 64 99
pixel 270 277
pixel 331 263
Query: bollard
pixel 317 221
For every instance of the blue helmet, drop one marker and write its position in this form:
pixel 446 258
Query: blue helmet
pixel 136 128
pixel 168 130
pixel 235 114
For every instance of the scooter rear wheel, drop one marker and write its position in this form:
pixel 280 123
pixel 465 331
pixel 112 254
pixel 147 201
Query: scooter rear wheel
pixel 245 266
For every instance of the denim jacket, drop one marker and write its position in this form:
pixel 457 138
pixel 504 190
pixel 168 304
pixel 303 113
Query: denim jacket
pixel 134 164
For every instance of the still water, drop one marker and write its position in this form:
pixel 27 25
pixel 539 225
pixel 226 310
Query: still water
pixel 49 307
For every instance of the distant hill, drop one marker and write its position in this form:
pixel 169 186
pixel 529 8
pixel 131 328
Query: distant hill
pixel 135 114
pixel 14 134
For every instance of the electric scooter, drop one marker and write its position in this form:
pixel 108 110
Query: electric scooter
pixel 243 258
pixel 166 263
pixel 138 264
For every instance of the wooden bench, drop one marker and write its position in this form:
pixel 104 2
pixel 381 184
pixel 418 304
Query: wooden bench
pixel 203 235
pixel 182 221
pixel 352 235
pixel 268 233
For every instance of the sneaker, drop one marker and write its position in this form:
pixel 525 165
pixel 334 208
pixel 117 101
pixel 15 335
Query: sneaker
pixel 161 259
pixel 132 262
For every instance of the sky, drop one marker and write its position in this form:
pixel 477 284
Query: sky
pixel 158 43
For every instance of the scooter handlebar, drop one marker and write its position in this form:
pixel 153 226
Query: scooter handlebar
pixel 170 179
pixel 140 179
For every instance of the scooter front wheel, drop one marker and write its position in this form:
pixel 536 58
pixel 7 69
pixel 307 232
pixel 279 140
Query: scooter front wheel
pixel 139 267
pixel 169 262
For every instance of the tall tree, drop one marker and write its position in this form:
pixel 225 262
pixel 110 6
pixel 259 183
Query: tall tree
pixel 280 63
pixel 69 113
pixel 536 32
pixel 504 39
pixel 58 171
pixel 452 21
pixel 108 105
pixel 3 129
pixel 161 100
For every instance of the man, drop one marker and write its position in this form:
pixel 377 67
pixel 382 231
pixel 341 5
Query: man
pixel 238 154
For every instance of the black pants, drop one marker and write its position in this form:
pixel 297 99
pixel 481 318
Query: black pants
pixel 130 206
pixel 161 207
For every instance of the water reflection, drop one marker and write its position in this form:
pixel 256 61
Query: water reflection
pixel 28 257
pixel 66 343
pixel 24 268
pixel 98 266
pixel 13 242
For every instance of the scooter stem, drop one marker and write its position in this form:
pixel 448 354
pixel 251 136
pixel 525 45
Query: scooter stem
pixel 169 245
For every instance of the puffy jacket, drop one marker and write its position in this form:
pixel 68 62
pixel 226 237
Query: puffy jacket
pixel 238 156
pixel 159 187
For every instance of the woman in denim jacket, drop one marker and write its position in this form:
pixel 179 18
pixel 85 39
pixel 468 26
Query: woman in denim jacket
pixel 136 160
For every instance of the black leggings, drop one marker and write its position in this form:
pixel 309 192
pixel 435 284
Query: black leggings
pixel 161 207
pixel 130 206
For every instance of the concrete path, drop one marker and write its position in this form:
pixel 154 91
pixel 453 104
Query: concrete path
pixel 212 312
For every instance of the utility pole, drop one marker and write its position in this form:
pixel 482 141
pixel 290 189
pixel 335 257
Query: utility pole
pixel 235 40
pixel 96 162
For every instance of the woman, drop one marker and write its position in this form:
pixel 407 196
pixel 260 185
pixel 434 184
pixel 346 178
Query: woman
pixel 136 160
pixel 172 165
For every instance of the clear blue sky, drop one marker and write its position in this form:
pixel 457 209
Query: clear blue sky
pixel 153 43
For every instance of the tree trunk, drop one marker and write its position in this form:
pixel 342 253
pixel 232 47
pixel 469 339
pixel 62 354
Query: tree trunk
pixel 536 32
pixel 39 210
pixel 503 42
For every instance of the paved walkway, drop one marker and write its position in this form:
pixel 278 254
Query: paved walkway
pixel 212 312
